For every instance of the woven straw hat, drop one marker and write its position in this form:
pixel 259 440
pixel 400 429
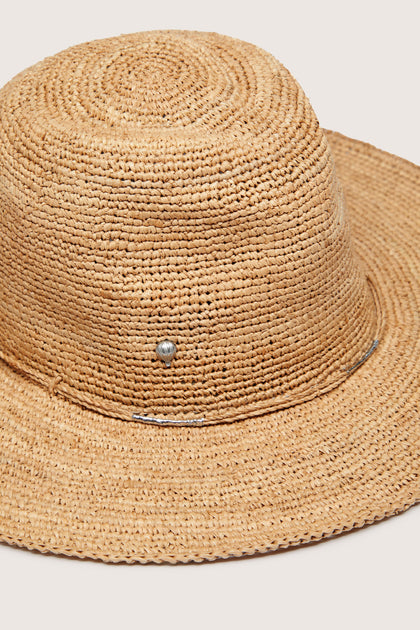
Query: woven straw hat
pixel 208 308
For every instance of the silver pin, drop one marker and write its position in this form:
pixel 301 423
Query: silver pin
pixel 165 351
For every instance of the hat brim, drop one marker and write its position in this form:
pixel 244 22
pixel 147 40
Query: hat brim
pixel 78 483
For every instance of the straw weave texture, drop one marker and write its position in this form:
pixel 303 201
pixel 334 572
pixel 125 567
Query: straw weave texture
pixel 174 185
pixel 178 185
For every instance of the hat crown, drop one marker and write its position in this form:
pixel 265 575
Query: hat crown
pixel 174 186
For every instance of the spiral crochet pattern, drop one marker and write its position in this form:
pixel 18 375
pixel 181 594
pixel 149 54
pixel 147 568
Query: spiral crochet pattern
pixel 209 308
pixel 173 185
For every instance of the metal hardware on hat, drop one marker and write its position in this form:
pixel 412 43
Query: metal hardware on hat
pixel 166 350
pixel 365 356
pixel 201 421
pixel 164 422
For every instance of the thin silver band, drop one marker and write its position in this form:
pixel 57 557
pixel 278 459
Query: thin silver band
pixel 365 356
pixel 200 421
pixel 164 422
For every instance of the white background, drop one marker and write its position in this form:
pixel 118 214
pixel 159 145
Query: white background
pixel 359 64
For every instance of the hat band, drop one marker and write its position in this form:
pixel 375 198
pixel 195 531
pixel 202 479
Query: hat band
pixel 201 421
pixel 57 386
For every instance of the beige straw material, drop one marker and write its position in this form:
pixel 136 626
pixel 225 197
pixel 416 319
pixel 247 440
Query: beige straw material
pixel 177 185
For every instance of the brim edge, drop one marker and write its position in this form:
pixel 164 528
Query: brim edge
pixel 258 550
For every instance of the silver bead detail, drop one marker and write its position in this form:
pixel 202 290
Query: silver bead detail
pixel 165 351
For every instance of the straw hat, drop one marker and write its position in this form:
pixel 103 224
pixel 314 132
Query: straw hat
pixel 208 308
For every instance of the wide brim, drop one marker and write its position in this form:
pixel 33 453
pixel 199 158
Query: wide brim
pixel 78 483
